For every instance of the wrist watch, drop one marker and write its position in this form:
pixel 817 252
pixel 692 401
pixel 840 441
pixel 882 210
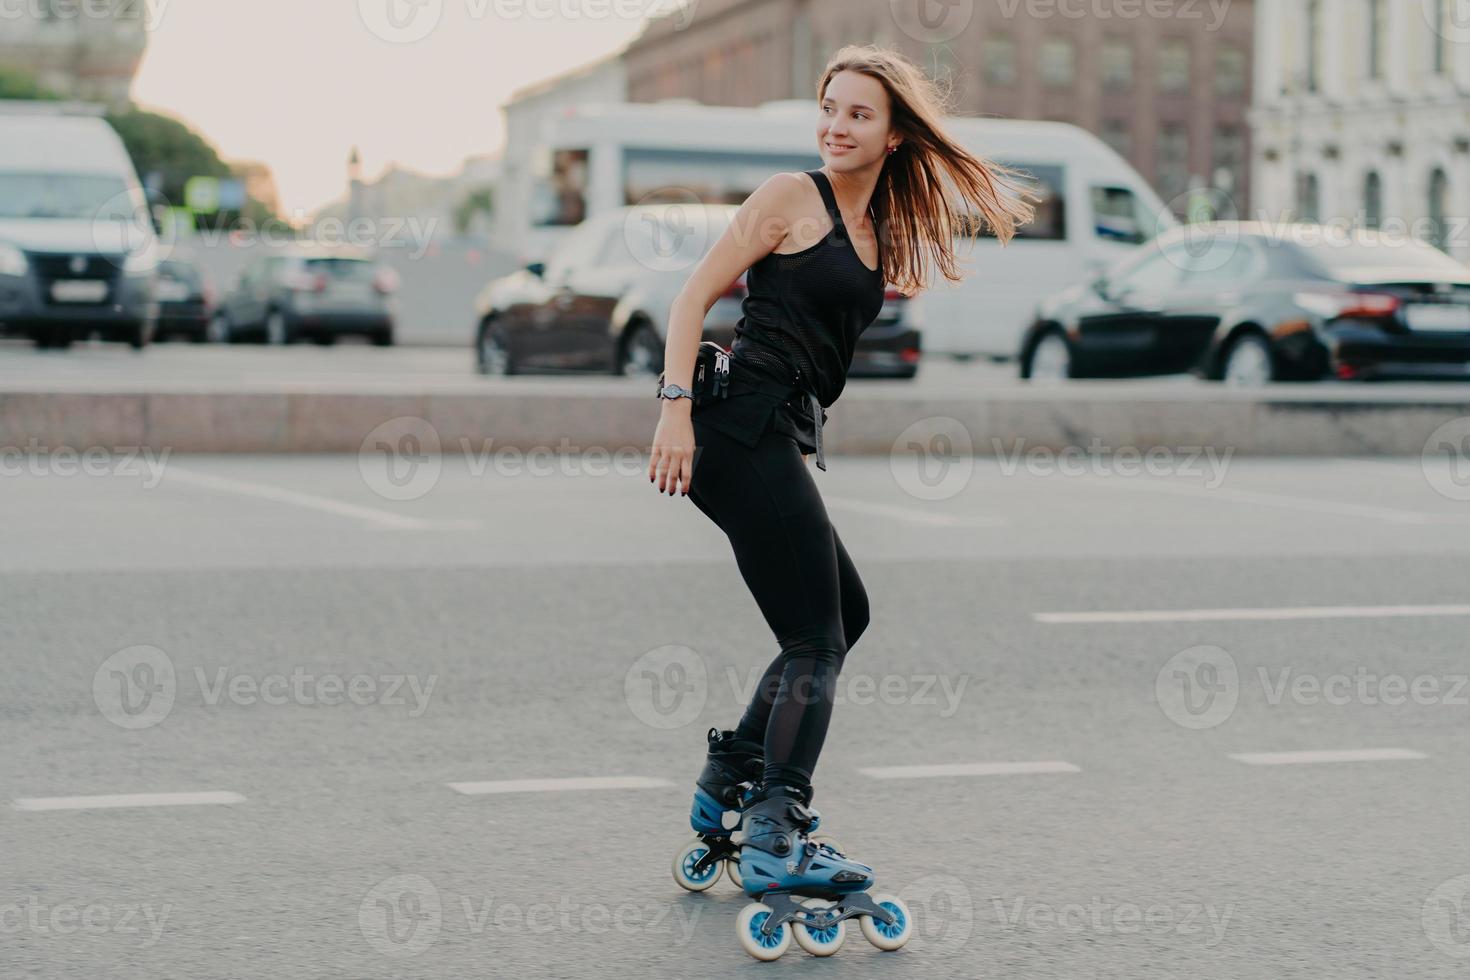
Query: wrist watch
pixel 672 391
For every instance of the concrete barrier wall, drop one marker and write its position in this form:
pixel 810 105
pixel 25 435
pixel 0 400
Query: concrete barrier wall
pixel 1298 422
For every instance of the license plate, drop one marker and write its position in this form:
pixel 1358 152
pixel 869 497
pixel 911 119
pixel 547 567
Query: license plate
pixel 172 292
pixel 79 290
pixel 1426 316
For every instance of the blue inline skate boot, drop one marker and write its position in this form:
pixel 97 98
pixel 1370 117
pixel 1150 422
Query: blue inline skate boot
pixel 807 888
pixel 731 770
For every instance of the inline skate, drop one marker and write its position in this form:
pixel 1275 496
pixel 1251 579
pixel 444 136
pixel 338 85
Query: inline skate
pixel 732 770
pixel 807 888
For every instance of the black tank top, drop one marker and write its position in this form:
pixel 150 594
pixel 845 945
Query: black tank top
pixel 803 311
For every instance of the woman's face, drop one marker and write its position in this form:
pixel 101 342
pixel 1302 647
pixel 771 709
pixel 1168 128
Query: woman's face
pixel 852 122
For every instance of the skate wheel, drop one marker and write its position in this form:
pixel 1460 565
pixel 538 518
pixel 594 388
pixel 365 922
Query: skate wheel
pixel 829 841
pixel 888 937
pixel 732 868
pixel 819 942
pixel 685 861
pixel 748 928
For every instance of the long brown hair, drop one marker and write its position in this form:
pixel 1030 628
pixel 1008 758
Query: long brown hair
pixel 914 218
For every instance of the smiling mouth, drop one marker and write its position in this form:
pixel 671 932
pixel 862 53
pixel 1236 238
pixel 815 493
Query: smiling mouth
pixel 841 146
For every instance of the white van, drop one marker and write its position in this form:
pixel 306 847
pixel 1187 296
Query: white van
pixel 78 252
pixel 593 157
pixel 1095 209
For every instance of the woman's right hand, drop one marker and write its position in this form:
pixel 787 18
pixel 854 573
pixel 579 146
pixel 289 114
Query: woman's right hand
pixel 671 463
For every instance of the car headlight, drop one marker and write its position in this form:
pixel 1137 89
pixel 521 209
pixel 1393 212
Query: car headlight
pixel 12 261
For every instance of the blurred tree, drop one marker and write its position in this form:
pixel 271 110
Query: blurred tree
pixel 481 201
pixel 15 84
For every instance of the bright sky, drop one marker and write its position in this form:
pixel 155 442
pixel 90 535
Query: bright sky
pixel 297 83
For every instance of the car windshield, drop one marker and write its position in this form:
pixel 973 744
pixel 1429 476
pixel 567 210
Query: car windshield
pixel 1365 257
pixel 340 268
pixel 45 195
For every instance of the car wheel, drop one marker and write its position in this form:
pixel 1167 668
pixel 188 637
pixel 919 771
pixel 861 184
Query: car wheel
pixel 1050 360
pixel 383 338
pixel 643 353
pixel 324 339
pixel 493 356
pixel 277 331
pixel 217 331
pixel 1248 361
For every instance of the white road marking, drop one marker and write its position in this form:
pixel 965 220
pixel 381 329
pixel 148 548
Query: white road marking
pixel 1283 612
pixel 558 785
pixel 967 769
pixel 379 519
pixel 1340 755
pixel 910 514
pixel 128 800
pixel 1315 505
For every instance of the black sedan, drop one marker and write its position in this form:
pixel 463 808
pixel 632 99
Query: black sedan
pixel 186 299
pixel 600 303
pixel 1249 302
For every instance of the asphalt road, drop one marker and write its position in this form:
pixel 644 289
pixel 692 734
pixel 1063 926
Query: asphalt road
pixel 320 665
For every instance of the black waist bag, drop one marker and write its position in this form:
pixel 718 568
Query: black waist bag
pixel 711 373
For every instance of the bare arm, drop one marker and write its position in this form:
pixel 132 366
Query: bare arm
pixel 757 227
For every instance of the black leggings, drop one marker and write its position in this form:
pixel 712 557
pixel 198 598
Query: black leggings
pixel 795 566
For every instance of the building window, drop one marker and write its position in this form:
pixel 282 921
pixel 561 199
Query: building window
pixel 1439 34
pixel 1307 204
pixel 1372 200
pixel 1377 36
pixel 999 56
pixel 1118 134
pixel 1116 59
pixel 1314 28
pixel 1173 165
pixel 1055 62
pixel 1439 192
pixel 1174 67
pixel 1228 154
pixel 1230 72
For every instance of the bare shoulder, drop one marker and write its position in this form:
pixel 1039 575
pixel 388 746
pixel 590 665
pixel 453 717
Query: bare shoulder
pixel 788 210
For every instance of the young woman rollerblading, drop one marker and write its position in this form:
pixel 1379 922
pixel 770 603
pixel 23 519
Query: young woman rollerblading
pixel 819 248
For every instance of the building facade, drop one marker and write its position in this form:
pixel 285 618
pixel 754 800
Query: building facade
pixel 1168 85
pixel 1362 115
pixel 74 51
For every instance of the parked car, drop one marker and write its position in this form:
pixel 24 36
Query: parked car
pixel 601 300
pixel 308 291
pixel 1251 302
pixel 186 299
pixel 78 250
